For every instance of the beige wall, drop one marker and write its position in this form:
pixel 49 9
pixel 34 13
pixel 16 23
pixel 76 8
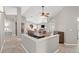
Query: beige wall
pixel 66 22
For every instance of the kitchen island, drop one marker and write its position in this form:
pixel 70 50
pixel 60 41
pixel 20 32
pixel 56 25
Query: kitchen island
pixel 46 44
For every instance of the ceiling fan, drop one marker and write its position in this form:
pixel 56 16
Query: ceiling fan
pixel 43 12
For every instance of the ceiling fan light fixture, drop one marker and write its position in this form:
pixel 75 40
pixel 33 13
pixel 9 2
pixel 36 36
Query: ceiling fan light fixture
pixel 44 13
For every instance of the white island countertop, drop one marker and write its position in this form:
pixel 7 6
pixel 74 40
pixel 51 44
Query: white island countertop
pixel 35 39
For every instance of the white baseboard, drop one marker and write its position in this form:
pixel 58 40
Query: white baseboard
pixel 56 51
pixel 25 49
pixel 70 44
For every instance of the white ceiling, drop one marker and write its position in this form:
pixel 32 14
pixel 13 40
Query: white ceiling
pixel 24 9
pixel 11 10
pixel 34 11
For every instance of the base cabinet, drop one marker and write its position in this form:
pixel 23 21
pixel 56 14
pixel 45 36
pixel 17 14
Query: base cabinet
pixel 61 36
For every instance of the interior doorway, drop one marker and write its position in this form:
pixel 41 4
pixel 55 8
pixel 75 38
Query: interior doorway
pixel 78 28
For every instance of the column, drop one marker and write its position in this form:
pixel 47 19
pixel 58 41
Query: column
pixel 18 21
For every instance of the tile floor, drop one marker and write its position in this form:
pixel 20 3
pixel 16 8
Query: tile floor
pixel 14 46
pixel 69 48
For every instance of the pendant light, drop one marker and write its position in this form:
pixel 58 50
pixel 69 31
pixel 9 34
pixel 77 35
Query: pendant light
pixel 44 15
pixel 43 12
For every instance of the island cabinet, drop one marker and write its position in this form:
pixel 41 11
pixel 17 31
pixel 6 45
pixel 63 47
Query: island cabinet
pixel 42 45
